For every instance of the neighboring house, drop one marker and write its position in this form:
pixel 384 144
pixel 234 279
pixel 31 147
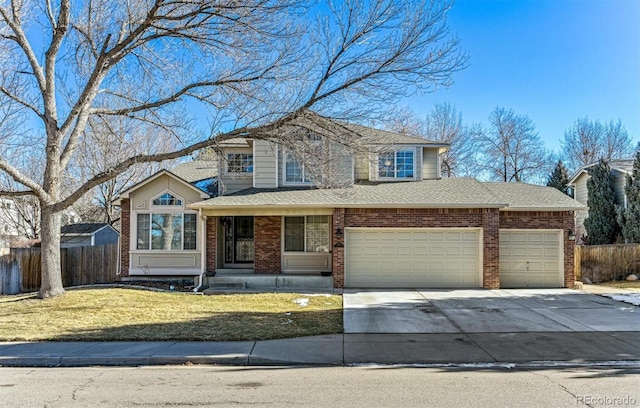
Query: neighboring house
pixel 87 234
pixel 620 169
pixel 380 217
pixel 18 222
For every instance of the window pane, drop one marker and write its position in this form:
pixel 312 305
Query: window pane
pixel 293 169
pixel 166 231
pixel 318 233
pixel 404 164
pixel 143 231
pixel 190 231
pixel 386 164
pixel 239 163
pixel 294 234
pixel 167 199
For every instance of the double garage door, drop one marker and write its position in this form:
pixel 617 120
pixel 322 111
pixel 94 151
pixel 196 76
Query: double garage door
pixel 413 258
pixel 449 258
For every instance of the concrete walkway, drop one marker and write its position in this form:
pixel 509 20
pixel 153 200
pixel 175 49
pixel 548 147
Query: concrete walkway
pixel 568 348
pixel 526 327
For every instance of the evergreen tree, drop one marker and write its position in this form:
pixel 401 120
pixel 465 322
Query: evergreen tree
pixel 629 218
pixel 559 178
pixel 601 225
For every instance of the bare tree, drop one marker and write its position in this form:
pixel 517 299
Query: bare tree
pixel 511 148
pixel 588 141
pixel 105 142
pixel 443 123
pixel 254 65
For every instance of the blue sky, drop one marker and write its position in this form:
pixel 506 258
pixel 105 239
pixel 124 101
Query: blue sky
pixel 553 60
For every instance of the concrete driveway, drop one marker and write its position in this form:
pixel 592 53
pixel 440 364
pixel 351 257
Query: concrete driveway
pixel 485 311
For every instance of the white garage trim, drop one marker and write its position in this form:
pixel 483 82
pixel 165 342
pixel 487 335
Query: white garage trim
pixel 531 258
pixel 413 257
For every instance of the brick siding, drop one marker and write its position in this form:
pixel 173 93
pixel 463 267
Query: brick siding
pixel 487 219
pixel 211 245
pixel 125 236
pixel 563 220
pixel 337 262
pixel 267 244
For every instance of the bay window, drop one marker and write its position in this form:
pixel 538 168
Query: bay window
pixel 166 231
pixel 306 234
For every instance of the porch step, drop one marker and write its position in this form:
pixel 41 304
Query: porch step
pixel 229 285
pixel 267 283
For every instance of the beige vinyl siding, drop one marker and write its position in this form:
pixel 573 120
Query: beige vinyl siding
pixel 140 198
pixel 339 171
pixel 580 194
pixel 619 181
pixel 430 164
pixel 165 263
pixel 342 165
pixel 157 262
pixel 265 163
pixel 361 163
pixel 230 183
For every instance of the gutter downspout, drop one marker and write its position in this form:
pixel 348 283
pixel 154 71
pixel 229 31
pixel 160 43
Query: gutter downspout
pixel 203 253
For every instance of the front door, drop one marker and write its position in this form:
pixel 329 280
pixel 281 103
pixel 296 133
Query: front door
pixel 238 241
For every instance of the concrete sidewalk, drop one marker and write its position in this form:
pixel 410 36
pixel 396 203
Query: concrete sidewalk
pixel 552 348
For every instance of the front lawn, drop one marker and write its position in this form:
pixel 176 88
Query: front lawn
pixel 137 315
pixel 631 285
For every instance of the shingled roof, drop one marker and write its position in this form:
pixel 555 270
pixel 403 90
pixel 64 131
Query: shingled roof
pixel 83 228
pixel 196 170
pixel 443 193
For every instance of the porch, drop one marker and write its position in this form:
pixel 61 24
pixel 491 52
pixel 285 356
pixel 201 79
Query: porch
pixel 248 282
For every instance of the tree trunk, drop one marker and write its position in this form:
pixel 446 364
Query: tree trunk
pixel 50 254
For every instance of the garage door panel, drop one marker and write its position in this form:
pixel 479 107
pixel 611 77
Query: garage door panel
pixel 413 258
pixel 531 258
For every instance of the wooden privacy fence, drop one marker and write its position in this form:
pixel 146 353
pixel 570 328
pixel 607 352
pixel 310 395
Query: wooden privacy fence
pixel 600 263
pixel 20 271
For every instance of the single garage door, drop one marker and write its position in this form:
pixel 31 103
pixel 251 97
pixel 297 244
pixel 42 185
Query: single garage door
pixel 531 259
pixel 413 258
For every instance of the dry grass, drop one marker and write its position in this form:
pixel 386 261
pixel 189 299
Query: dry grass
pixel 631 285
pixel 136 315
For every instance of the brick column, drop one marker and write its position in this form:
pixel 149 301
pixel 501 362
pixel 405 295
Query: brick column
pixel 338 251
pixel 568 222
pixel 211 247
pixel 267 257
pixel 491 248
pixel 125 236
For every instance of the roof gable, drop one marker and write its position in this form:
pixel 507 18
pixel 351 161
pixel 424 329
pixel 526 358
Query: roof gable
pixel 624 166
pixel 127 192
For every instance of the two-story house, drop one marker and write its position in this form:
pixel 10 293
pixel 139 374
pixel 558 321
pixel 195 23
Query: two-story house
pixel 371 214
pixel 620 169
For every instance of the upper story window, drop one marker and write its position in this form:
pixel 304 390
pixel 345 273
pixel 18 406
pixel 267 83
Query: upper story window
pixel 294 170
pixel 399 164
pixel 167 199
pixel 239 163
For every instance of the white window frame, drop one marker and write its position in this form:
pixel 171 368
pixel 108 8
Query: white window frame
pixel 285 159
pixel 150 215
pixel 164 209
pixel 242 171
pixel 395 161
pixel 304 251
